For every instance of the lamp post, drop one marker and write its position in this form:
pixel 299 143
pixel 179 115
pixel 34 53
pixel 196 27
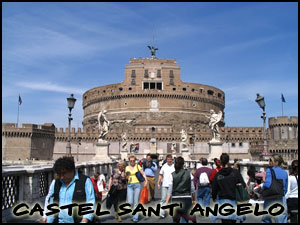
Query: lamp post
pixel 119 139
pixel 261 102
pixel 193 138
pixel 71 102
pixel 79 143
pixel 228 142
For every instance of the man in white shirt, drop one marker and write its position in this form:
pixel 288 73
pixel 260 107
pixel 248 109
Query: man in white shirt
pixel 164 180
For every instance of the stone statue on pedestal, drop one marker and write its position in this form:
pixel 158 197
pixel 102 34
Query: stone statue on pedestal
pixel 103 125
pixel 214 119
pixel 124 142
pixel 183 139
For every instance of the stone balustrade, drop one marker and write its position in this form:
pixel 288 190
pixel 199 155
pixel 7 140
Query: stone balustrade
pixel 30 183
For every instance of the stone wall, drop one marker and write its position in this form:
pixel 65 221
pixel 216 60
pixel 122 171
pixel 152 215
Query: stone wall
pixel 27 142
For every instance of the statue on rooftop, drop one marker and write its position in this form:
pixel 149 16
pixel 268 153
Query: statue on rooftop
pixel 153 49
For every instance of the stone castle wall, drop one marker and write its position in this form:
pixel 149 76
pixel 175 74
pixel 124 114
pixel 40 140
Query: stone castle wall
pixel 28 142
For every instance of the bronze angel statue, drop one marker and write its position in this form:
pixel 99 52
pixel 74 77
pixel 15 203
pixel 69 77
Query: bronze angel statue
pixel 152 49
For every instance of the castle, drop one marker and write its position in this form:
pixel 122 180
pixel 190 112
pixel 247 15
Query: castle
pixel 152 105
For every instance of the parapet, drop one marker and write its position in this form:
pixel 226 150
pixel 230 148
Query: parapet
pixel 283 121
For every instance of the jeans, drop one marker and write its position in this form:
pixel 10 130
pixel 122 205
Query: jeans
pixel 203 196
pixel 133 197
pixel 278 219
pixel 164 192
pixel 232 216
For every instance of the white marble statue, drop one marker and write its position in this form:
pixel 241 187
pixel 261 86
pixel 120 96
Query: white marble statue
pixel 124 142
pixel 132 147
pixel 214 119
pixel 183 139
pixel 103 124
pixel 173 147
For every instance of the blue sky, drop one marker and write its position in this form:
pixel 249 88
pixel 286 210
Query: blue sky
pixel 50 50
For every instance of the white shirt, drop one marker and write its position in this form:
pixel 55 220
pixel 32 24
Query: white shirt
pixel 292 191
pixel 166 171
pixel 100 183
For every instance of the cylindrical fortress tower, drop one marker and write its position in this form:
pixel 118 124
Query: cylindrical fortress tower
pixel 152 95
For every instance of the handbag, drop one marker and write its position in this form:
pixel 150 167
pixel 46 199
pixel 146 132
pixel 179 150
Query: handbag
pixel 276 189
pixel 139 176
pixel 241 194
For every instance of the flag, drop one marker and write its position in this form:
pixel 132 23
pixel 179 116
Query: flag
pixel 20 100
pixel 282 98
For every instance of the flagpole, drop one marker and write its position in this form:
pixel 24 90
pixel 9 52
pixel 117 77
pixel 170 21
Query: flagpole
pixel 18 114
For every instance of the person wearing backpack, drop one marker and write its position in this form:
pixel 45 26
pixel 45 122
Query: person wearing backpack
pixel 201 181
pixel 70 187
pixel 224 185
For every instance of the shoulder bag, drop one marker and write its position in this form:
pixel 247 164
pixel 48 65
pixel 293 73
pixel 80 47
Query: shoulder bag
pixel 276 189
pixel 139 176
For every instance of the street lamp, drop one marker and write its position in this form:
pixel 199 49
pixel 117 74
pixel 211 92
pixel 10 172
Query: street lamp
pixel 71 102
pixel 119 139
pixel 261 102
pixel 193 138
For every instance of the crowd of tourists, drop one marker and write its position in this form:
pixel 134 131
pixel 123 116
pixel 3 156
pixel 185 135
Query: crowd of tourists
pixel 207 185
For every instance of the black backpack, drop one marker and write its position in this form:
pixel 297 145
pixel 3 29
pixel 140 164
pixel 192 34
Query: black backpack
pixel 79 195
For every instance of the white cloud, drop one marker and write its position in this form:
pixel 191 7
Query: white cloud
pixel 47 86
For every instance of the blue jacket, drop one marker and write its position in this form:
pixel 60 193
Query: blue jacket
pixel 150 172
pixel 280 174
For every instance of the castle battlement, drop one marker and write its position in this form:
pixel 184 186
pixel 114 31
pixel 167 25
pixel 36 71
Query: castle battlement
pixel 283 121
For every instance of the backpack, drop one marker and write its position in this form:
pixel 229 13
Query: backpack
pixel 203 179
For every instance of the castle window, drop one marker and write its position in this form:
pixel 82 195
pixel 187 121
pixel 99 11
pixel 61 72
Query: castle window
pixel 133 74
pixel 104 91
pixel 130 89
pixel 152 86
pixel 146 75
pixel 159 86
pixel 158 74
pixel 210 92
pixel 193 89
pixel 219 95
pixel 241 144
pixel 171 74
pixel 133 81
pixel 233 145
pixel 153 129
pixel 171 81
pixel 184 89
pixel 146 86
pixel 201 90
pixel 125 103
pixel 121 89
pixel 174 89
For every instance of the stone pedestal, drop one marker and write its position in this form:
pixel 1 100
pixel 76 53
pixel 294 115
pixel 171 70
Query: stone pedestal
pixel 101 151
pixel 124 154
pixel 185 153
pixel 215 149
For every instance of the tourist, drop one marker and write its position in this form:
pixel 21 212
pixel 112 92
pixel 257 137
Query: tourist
pixel 182 190
pixel 134 186
pixel 275 163
pixel 118 182
pixel 150 167
pixel 65 191
pixel 201 181
pixel 164 181
pixel 292 192
pixel 217 167
pixel 251 182
pixel 224 185
pixel 99 185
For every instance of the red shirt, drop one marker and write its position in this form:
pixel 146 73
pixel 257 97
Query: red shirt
pixel 213 173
